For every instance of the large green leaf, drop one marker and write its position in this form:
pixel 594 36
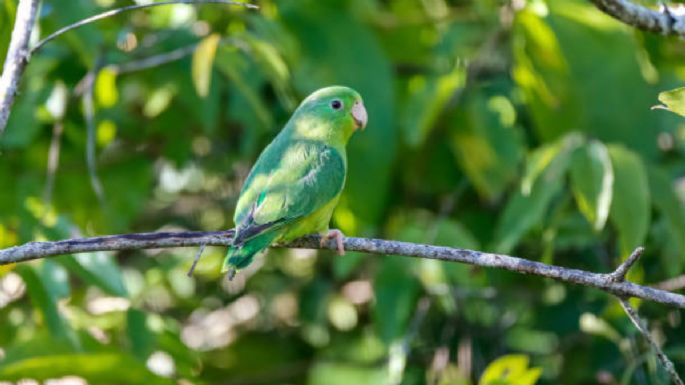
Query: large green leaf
pixel 527 207
pixel 670 207
pixel 46 284
pixel 487 145
pixel 139 335
pixel 630 207
pixel 99 269
pixel 394 302
pixel 426 100
pixel 592 181
pixel 96 368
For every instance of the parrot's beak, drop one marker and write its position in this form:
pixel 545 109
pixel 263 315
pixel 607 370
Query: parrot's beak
pixel 359 114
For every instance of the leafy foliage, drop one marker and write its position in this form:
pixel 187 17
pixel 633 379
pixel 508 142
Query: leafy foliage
pixel 520 127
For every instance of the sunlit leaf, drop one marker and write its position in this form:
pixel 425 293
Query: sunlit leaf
pixel 203 61
pixel 630 207
pixel 332 373
pixel 106 93
pixel 674 100
pixel 101 368
pixel 592 180
pixel 510 370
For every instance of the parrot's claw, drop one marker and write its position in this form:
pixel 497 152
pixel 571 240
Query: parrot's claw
pixel 338 235
pixel 230 274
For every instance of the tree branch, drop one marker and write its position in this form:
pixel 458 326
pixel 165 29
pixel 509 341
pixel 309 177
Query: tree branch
pixel 604 282
pixel 667 21
pixel 642 328
pixel 17 57
pixel 619 275
pixel 117 11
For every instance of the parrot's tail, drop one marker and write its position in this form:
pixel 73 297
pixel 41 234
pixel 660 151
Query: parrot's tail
pixel 239 256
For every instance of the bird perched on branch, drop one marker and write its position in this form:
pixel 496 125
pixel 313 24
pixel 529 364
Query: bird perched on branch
pixel 295 184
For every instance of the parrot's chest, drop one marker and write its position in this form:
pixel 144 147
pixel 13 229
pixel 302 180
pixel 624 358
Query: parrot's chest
pixel 316 222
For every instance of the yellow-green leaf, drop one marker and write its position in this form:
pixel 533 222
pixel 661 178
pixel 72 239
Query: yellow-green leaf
pixel 510 370
pixel 97 368
pixel 203 60
pixel 674 100
pixel 106 92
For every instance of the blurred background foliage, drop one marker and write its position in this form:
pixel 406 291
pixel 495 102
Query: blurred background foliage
pixel 519 127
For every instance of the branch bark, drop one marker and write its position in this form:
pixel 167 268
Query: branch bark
pixel 666 21
pixel 17 57
pixel 604 282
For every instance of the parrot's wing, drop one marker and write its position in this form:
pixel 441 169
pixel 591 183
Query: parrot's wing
pixel 305 177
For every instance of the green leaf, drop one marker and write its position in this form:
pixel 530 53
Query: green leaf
pixel 669 206
pixel 427 97
pixel 100 368
pixel 394 302
pixel 228 62
pixel 488 148
pixel 46 284
pixel 510 370
pixel 527 207
pixel 203 60
pixel 630 207
pixel 99 269
pixel 674 100
pixel 340 373
pixel 592 181
pixel 139 336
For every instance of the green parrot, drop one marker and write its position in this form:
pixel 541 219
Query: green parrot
pixel 296 182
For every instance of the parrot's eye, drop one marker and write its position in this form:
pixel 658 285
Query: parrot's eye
pixel 336 104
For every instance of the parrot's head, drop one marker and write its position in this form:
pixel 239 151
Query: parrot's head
pixel 337 110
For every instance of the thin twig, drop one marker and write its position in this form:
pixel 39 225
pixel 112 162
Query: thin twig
pixel 673 284
pixel 642 328
pixel 117 11
pixel 154 61
pixel 35 250
pixel 667 21
pixel 89 115
pixel 17 57
pixel 619 275
pixel 53 160
pixel 196 259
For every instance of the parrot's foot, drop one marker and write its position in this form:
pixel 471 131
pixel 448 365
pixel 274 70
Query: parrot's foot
pixel 339 236
pixel 230 274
